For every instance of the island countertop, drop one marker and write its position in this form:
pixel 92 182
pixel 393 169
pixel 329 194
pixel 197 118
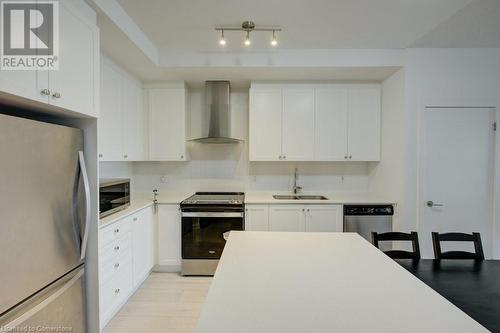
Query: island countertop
pixel 320 282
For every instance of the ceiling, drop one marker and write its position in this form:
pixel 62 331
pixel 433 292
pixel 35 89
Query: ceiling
pixel 307 24
pixel 186 28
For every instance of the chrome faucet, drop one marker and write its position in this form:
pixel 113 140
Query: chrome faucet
pixel 296 188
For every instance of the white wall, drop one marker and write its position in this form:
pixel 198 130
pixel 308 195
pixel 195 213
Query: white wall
pixel 387 176
pixel 445 77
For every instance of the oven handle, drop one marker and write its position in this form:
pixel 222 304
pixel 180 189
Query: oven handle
pixel 211 214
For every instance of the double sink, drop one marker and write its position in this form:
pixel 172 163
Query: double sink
pixel 298 197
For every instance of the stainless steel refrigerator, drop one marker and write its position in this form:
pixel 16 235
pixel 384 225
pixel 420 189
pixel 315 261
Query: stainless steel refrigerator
pixel 44 205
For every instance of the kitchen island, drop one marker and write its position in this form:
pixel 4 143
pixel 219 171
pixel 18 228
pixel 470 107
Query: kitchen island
pixel 320 282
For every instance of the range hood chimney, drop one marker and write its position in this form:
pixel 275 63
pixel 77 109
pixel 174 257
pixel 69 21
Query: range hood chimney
pixel 216 117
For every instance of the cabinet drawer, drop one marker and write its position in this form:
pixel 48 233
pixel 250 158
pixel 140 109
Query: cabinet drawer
pixel 115 248
pixel 114 231
pixel 114 292
pixel 116 266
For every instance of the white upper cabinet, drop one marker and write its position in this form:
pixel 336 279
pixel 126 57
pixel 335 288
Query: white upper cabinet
pixel 72 86
pixel 331 124
pixel 75 85
pixel 134 121
pixel 110 120
pixel 314 122
pixel 168 123
pixel 298 124
pixel 364 123
pixel 122 119
pixel 265 124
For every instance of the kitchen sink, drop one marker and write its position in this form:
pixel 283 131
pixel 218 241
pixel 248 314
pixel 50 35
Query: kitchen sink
pixel 299 197
pixel 285 197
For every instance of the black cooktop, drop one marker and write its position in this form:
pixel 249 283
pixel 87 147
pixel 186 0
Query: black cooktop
pixel 215 198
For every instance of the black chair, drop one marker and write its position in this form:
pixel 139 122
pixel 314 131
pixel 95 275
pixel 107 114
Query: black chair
pixel 475 237
pixel 398 236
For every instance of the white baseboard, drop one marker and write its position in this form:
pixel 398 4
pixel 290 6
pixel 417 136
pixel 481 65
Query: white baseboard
pixel 167 268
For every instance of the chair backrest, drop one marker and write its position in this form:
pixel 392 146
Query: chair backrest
pixel 399 236
pixel 475 237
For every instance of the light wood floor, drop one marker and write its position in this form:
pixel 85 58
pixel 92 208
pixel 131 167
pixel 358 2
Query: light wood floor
pixel 166 302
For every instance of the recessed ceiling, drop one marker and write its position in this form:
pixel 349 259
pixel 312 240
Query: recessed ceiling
pixel 307 24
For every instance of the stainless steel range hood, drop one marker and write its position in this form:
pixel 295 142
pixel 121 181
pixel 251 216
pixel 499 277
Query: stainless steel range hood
pixel 216 118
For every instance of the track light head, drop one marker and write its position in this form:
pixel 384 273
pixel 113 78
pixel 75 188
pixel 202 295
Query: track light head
pixel 222 40
pixel 274 41
pixel 247 39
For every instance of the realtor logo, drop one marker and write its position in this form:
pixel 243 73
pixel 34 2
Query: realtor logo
pixel 29 35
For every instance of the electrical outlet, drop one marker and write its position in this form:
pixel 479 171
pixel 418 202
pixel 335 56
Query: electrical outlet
pixel 163 179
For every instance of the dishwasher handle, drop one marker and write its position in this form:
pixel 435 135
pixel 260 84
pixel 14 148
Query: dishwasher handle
pixel 368 210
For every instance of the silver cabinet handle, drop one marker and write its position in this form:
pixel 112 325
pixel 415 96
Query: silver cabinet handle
pixel 431 203
pixel 56 95
pixel 345 157
pixel 45 92
pixel 117 248
pixel 284 157
pixel 280 157
pixel 125 156
pixel 303 209
pixel 308 209
pixel 117 290
pixel 117 230
pixel 117 265
pixel 100 155
pixel 182 157
pixel 350 156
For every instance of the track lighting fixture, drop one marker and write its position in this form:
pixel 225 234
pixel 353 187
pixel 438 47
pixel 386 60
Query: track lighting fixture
pixel 248 26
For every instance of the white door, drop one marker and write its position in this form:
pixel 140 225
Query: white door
pixel 265 125
pixel 286 218
pixel 324 218
pixel 364 124
pixel 298 124
pixel 167 124
pixel 331 124
pixel 457 173
pixel 110 118
pixel 133 120
pixel 72 86
pixel 257 218
pixel 169 236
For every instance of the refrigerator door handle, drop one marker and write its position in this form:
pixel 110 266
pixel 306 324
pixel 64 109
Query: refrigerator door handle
pixel 86 188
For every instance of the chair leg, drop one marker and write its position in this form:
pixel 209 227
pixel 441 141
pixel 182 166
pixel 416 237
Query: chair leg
pixel 436 245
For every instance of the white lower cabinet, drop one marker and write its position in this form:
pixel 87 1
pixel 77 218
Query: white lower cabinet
pixel 257 218
pixel 143 243
pixel 169 237
pixel 126 256
pixel 309 218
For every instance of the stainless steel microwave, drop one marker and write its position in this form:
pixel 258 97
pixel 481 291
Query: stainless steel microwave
pixel 114 195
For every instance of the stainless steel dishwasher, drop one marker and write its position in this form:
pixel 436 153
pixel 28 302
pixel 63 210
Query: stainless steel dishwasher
pixel 365 219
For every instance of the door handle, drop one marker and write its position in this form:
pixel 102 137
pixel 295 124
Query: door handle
pixel 86 188
pixel 431 203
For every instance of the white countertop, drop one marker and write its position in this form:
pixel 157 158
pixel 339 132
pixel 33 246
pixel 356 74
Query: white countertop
pixel 137 202
pixel 320 282
pixel 333 198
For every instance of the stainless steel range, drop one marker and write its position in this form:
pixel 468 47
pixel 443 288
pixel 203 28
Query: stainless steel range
pixel 207 219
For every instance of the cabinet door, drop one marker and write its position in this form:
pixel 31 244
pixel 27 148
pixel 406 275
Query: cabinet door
pixel 324 218
pixel 169 235
pixel 298 124
pixel 331 124
pixel 167 121
pixel 110 120
pixel 257 218
pixel 364 124
pixel 75 79
pixel 265 125
pixel 142 244
pixel 286 218
pixel 134 148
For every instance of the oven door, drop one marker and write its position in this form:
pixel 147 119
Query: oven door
pixel 204 234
